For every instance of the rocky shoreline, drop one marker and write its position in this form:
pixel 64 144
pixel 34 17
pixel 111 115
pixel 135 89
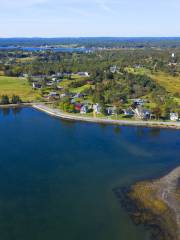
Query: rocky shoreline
pixel 155 204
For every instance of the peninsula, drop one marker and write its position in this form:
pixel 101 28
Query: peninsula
pixel 158 205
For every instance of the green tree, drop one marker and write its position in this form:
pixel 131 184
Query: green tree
pixel 4 99
pixel 16 99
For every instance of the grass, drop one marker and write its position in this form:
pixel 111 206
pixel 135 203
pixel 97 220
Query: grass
pixel 170 83
pixel 80 89
pixel 17 86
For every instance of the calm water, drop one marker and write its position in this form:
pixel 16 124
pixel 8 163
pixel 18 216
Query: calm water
pixel 57 177
pixel 55 49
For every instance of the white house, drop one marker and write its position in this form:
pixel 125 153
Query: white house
pixel 111 110
pixel 113 69
pixel 84 109
pixel 174 116
pixel 97 108
pixel 83 74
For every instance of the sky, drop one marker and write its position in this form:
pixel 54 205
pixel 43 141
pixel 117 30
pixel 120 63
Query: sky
pixel 89 18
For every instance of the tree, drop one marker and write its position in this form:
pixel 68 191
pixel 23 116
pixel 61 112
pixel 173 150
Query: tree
pixel 16 99
pixel 4 99
pixel 157 111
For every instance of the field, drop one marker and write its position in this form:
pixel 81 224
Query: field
pixel 170 83
pixel 17 86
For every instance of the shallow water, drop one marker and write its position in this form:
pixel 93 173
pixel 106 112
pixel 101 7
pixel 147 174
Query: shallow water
pixel 57 177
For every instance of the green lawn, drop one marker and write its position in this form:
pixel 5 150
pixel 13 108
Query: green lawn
pixel 17 86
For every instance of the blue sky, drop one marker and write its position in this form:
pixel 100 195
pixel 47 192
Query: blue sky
pixel 74 18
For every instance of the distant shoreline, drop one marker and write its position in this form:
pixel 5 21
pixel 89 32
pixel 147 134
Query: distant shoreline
pixel 59 114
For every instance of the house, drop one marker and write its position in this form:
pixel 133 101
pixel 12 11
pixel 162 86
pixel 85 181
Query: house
pixel 84 109
pixel 128 112
pixel 111 110
pixel 63 95
pixel 142 113
pixel 83 74
pixel 53 94
pixel 49 84
pixel 36 85
pixel 174 116
pixel 78 107
pixel 138 101
pixel 113 69
pixel 78 95
pixel 97 108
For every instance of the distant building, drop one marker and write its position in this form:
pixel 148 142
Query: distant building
pixel 174 116
pixel 83 74
pixel 138 101
pixel 36 85
pixel 113 69
pixel 53 94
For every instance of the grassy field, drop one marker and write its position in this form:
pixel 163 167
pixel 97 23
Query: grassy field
pixel 17 86
pixel 170 83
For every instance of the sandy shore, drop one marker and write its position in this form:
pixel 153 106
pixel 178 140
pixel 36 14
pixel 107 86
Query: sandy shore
pixel 62 115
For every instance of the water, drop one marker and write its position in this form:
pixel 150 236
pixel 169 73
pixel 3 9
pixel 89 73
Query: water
pixel 57 177
pixel 54 49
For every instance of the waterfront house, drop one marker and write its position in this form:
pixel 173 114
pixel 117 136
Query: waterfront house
pixel 142 113
pixel 84 109
pixel 78 107
pixel 174 116
pixel 97 108
pixel 128 112
pixel 111 110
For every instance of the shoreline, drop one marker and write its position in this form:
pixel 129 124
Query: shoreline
pixel 66 116
pixel 156 204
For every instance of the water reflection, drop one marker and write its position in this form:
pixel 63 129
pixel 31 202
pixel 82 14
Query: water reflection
pixel 117 130
pixel 154 132
pixel 151 132
pixel 5 111
pixel 16 110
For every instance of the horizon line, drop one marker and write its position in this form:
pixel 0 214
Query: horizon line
pixel 58 37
